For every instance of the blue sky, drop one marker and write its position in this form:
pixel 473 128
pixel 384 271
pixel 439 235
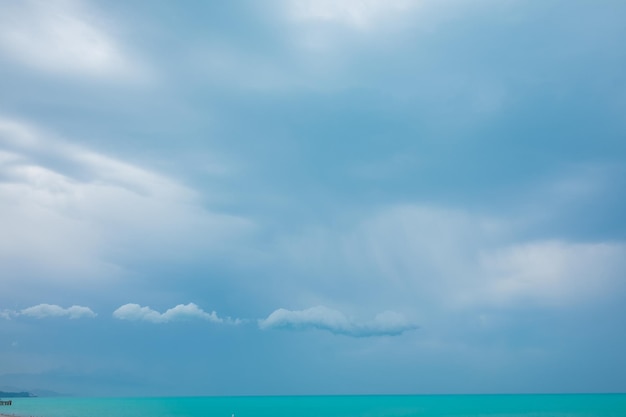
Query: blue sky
pixel 312 197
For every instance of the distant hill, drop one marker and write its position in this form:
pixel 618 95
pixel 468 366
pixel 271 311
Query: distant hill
pixel 46 393
pixel 23 394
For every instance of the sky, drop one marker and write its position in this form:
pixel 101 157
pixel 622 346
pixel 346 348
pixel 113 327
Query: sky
pixel 312 197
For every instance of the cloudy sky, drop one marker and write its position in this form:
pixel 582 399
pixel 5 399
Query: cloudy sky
pixel 312 196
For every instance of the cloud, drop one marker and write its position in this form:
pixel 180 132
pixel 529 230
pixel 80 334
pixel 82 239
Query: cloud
pixel 135 312
pixel 435 258
pixel 7 314
pixel 68 212
pixel 62 37
pixel 548 272
pixel 388 323
pixel 359 14
pixel 51 310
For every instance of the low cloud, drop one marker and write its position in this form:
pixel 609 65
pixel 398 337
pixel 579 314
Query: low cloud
pixel 388 323
pixel 135 312
pixel 52 310
pixel 7 314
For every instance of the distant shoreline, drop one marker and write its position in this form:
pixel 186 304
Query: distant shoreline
pixel 22 394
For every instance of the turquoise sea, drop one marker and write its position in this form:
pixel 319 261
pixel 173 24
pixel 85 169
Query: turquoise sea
pixel 588 405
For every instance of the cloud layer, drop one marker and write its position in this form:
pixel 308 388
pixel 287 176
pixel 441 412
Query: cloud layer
pixel 83 208
pixel 459 163
pixel 454 260
pixel 388 323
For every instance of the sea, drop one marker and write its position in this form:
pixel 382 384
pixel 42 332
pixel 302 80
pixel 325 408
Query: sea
pixel 568 405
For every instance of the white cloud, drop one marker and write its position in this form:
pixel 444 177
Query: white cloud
pixel 327 37
pixel 135 312
pixel 360 14
pixel 72 215
pixel 548 272
pixel 7 314
pixel 427 258
pixel 388 323
pixel 51 310
pixel 62 37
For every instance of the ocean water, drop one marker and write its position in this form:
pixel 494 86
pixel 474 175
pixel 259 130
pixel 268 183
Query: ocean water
pixel 588 405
